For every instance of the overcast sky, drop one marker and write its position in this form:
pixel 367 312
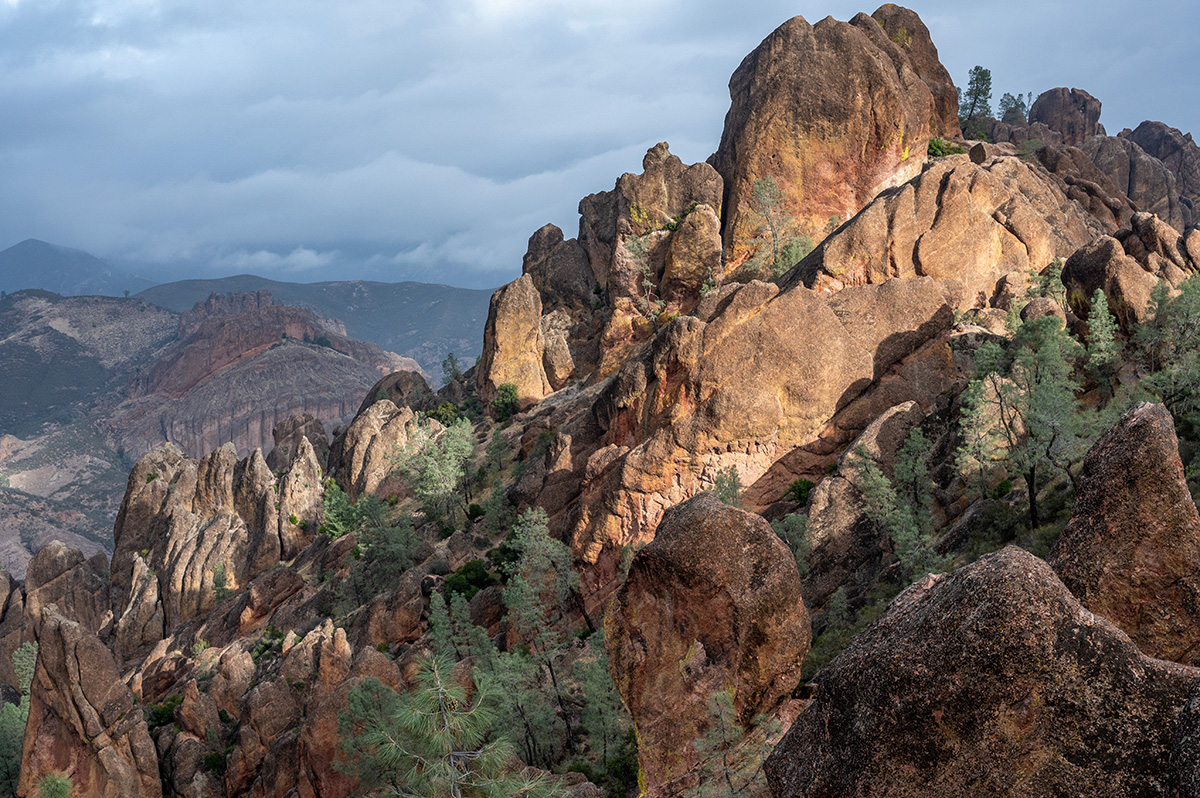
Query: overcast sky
pixel 409 139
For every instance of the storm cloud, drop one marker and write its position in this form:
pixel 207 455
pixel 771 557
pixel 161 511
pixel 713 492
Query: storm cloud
pixel 394 139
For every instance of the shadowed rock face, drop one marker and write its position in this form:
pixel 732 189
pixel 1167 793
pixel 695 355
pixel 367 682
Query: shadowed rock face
pixel 834 112
pixel 1177 151
pixel 1131 551
pixel 287 435
pixel 83 720
pixel 712 604
pixel 1150 185
pixel 977 681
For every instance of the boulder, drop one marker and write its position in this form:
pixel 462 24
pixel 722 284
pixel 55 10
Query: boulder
pixel 712 604
pixel 360 459
pixel 1072 112
pixel 969 223
pixel 512 344
pixel 985 681
pixel 403 389
pixel 83 720
pixel 1103 263
pixel 287 435
pixel 1131 551
pixel 834 113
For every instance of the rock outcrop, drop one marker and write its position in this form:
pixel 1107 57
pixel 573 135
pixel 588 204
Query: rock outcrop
pixel 846 548
pixel 1131 551
pixel 512 344
pixel 987 680
pixel 182 518
pixel 957 221
pixel 1177 151
pixel 361 457
pixel 1071 112
pixel 1150 185
pixel 712 604
pixel 835 113
pixel 61 576
pixel 287 435
pixel 906 29
pixel 83 720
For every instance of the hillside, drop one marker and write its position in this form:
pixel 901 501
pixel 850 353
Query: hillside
pixel 93 383
pixel 70 272
pixel 858 459
pixel 417 320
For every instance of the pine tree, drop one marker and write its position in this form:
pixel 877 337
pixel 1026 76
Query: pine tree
pixel 792 529
pixel 604 717
pixel 732 766
pixel 541 584
pixel 728 486
pixel 429 742
pixel 974 105
pixel 902 507
pixel 1104 354
pixel 1025 401
pixel 435 464
pixel 55 785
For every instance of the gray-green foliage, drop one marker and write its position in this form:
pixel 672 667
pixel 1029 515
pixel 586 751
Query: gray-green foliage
pixel 220 582
pixel 1168 345
pixel 769 206
pixel 647 300
pixel 728 486
pixel 1023 412
pixel 13 718
pixel 604 717
pixel 383 551
pixel 1104 353
pixel 902 505
pixel 435 463
pixel 792 529
pixel 731 767
pixel 541 584
pixel 55 785
pixel 430 742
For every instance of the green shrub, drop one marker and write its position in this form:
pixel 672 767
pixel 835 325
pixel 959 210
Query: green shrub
pixel 475 511
pixel 470 579
pixel 800 489
pixel 939 147
pixel 164 713
pixel 507 402
pixel 215 763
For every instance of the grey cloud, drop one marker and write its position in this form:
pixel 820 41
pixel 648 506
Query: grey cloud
pixel 378 137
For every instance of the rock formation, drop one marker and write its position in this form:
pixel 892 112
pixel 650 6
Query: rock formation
pixel 361 457
pixel 798 116
pixel 1150 185
pixel 290 431
pixel 1130 550
pixel 1071 112
pixel 83 720
pixel 977 681
pixel 712 604
pixel 1177 151
pixel 969 223
pixel 181 518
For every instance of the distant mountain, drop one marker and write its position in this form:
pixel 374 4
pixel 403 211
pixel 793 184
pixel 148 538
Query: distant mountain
pixel 417 320
pixel 70 272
